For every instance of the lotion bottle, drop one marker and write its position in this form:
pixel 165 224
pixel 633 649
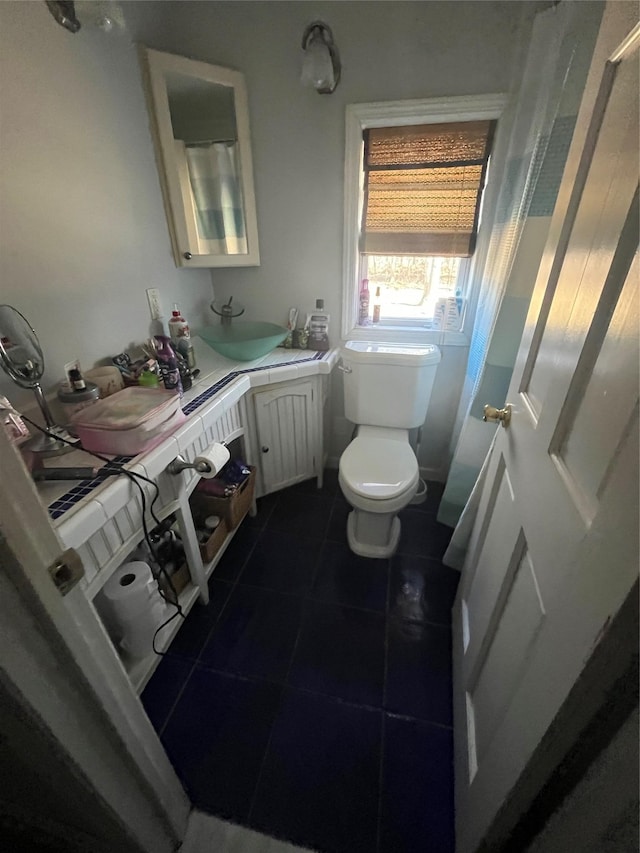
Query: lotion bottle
pixel 376 306
pixel 319 328
pixel 178 326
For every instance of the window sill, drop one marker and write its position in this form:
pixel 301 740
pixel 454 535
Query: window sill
pixel 408 335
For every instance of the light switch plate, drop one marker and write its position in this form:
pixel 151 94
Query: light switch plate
pixel 153 298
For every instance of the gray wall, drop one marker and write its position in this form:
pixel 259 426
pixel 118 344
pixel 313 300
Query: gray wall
pixel 600 815
pixel 82 227
pixel 389 51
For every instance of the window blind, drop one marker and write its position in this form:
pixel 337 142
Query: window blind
pixel 423 187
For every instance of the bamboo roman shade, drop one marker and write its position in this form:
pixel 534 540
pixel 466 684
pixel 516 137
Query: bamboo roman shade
pixel 423 185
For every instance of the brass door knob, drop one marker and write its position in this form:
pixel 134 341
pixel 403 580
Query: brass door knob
pixel 502 415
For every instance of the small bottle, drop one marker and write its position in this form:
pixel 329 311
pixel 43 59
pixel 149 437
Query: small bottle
pixel 168 364
pixel 183 367
pixel 77 380
pixel 376 306
pixel 185 348
pixel 319 328
pixel 363 314
pixel 178 326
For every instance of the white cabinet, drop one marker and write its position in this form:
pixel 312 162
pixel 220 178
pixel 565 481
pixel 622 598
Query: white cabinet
pixel 288 433
pixel 108 529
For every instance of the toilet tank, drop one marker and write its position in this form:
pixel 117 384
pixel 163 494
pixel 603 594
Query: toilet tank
pixel 388 384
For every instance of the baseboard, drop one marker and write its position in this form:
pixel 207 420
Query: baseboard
pixel 436 475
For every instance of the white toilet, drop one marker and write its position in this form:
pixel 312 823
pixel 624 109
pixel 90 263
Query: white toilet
pixel 386 392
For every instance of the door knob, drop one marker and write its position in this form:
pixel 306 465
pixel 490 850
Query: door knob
pixel 264 449
pixel 502 415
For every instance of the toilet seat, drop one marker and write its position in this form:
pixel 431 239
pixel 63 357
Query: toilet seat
pixel 379 469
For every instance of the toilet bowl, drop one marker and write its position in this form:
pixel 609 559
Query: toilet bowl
pixel 387 387
pixel 378 475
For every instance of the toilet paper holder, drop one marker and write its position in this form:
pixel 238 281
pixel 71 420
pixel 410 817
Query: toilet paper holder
pixel 200 466
pixel 180 464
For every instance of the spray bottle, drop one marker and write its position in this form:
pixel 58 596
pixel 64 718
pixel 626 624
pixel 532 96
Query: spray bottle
pixel 168 364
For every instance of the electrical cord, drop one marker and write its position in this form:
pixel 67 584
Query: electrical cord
pixel 118 469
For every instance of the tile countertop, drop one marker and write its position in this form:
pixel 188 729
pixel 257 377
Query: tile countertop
pixel 220 380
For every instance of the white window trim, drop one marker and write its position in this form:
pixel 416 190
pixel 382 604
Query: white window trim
pixel 359 117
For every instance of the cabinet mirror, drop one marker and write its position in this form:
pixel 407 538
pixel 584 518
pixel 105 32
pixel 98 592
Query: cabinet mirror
pixel 200 123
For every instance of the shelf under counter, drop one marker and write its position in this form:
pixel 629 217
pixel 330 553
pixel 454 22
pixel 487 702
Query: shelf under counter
pixel 141 670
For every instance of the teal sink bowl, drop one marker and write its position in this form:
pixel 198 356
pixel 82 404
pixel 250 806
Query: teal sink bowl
pixel 243 340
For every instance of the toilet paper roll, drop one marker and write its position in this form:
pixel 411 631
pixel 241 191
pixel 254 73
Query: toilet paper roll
pixel 131 584
pixel 135 607
pixel 211 460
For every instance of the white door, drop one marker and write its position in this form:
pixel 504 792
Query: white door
pixel 287 426
pixel 554 550
pixel 58 666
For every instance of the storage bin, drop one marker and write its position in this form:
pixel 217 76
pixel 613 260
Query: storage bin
pixel 210 548
pixel 180 580
pixel 232 509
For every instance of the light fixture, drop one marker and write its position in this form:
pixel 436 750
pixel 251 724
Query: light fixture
pixel 321 64
pixel 65 14
pixel 106 15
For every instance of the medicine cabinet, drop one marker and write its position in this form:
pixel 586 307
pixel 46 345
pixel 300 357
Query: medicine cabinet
pixel 200 124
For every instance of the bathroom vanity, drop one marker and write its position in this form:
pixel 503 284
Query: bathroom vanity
pixel 275 407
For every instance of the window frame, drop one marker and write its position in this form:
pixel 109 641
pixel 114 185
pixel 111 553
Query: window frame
pixel 389 114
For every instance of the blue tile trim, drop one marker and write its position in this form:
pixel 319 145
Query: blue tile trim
pixel 77 493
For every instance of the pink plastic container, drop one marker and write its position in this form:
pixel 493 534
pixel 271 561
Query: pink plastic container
pixel 129 422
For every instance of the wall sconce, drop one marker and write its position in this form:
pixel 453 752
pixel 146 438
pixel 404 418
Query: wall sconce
pixel 321 64
pixel 65 14
pixel 107 15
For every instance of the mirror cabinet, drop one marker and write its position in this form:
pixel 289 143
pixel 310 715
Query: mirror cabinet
pixel 200 124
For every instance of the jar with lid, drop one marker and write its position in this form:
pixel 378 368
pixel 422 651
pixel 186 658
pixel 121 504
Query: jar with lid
pixel 75 401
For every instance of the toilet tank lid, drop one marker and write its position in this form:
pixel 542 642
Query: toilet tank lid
pixel 379 352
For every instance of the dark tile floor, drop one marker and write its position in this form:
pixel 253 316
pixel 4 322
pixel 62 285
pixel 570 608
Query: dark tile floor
pixel 311 699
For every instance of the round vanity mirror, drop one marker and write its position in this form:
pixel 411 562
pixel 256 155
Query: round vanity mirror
pixel 22 358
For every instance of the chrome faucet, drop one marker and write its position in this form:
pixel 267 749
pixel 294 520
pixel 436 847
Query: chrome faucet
pixel 226 312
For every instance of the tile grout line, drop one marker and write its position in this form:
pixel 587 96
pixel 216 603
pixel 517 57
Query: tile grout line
pixel 177 699
pixel 408 718
pixel 196 661
pixel 386 634
pixel 384 705
pixel 285 684
pixel 233 586
pixel 380 783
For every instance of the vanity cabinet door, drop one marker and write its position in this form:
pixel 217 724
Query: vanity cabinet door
pixel 289 430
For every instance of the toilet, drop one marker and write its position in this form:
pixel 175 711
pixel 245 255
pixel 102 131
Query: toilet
pixel 386 393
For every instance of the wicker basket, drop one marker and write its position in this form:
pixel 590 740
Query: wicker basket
pixel 232 509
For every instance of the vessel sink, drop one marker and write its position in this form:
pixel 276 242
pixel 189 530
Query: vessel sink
pixel 243 340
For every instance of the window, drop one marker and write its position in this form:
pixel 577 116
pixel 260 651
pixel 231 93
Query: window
pixel 414 177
